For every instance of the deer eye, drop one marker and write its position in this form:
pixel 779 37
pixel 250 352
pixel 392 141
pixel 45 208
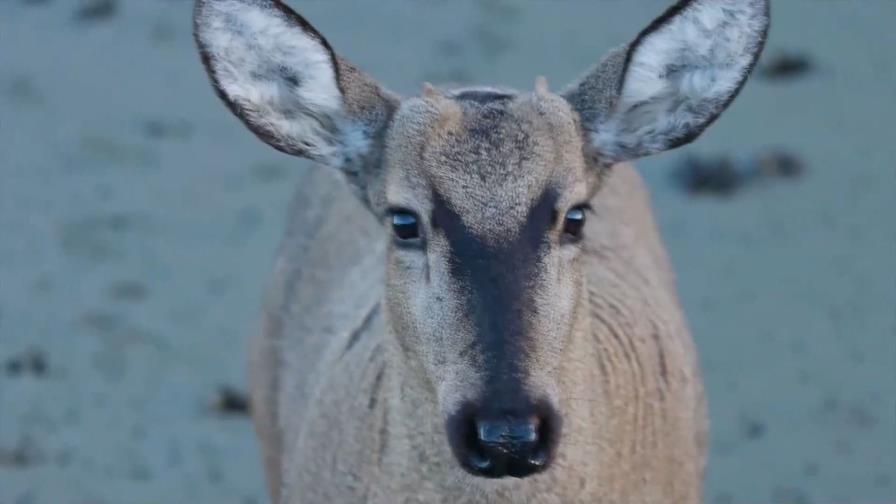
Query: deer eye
pixel 405 225
pixel 574 221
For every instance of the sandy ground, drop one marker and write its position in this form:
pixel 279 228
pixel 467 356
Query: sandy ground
pixel 138 222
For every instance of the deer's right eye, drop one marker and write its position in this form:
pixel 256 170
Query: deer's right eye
pixel 405 225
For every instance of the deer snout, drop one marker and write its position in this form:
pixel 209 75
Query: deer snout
pixel 496 445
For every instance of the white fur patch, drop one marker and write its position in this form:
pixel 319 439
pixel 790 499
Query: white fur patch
pixel 280 77
pixel 681 76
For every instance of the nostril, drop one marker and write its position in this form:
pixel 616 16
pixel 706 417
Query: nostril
pixel 508 432
pixel 480 462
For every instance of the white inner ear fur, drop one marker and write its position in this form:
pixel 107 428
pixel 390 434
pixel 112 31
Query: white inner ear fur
pixel 681 75
pixel 280 76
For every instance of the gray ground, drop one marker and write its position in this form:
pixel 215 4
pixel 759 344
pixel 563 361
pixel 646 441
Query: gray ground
pixel 138 222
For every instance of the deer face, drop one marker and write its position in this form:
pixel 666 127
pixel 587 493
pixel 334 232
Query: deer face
pixel 483 193
pixel 486 195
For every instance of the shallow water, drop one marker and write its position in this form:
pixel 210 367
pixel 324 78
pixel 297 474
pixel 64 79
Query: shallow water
pixel 138 222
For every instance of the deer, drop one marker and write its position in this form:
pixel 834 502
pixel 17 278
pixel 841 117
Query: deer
pixel 472 301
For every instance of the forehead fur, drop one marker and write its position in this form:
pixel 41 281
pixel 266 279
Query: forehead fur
pixel 488 154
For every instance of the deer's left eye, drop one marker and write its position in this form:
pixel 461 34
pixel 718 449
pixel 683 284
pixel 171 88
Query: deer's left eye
pixel 574 221
pixel 405 225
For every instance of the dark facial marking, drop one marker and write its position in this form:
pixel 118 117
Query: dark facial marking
pixel 359 331
pixel 482 96
pixel 497 281
pixel 485 127
pixel 661 359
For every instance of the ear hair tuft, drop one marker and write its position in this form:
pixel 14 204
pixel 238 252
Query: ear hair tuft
pixel 429 92
pixel 541 85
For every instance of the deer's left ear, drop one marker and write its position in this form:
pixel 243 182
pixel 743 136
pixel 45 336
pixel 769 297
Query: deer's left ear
pixel 662 90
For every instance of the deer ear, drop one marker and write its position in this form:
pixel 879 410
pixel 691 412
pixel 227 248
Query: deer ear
pixel 281 78
pixel 663 90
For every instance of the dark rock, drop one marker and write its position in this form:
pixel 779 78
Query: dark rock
pixel 167 129
pixel 97 238
pixel 231 401
pixel 786 66
pixel 31 362
pixel 25 92
pixel 710 175
pixel 722 176
pixel 779 163
pixel 130 291
pixel 96 10
pixel 790 495
pixel 269 172
pixel 752 428
pixel 25 454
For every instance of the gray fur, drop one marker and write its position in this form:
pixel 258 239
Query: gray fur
pixel 367 346
pixel 596 93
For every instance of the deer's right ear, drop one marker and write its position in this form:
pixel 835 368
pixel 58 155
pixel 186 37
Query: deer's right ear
pixel 281 78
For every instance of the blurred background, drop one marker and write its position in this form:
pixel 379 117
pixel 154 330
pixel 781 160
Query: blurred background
pixel 138 223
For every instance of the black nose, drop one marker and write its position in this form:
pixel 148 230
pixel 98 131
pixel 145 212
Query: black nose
pixel 495 447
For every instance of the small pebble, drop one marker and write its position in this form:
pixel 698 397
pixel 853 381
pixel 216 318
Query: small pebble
pixel 231 401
